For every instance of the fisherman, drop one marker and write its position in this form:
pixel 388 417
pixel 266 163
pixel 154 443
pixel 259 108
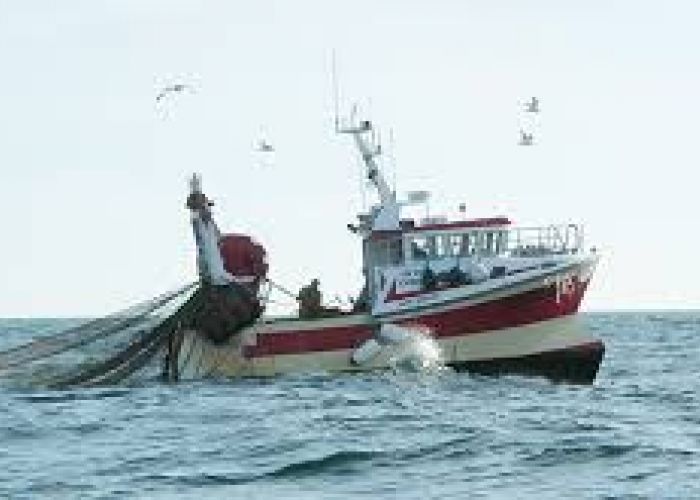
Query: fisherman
pixel 361 303
pixel 309 299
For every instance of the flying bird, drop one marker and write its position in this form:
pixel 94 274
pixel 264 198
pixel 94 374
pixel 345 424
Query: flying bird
pixel 526 139
pixel 533 105
pixel 178 87
pixel 265 147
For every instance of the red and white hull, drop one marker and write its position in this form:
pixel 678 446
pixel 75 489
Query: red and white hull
pixel 525 324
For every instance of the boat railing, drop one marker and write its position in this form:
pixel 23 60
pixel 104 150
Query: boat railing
pixel 545 240
pixel 481 242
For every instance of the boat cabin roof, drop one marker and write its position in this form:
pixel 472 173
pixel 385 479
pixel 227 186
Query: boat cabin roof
pixel 408 226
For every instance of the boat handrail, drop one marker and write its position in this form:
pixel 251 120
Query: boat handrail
pixel 529 241
pixel 544 240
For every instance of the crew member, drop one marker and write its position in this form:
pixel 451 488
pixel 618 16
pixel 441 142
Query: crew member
pixel 310 300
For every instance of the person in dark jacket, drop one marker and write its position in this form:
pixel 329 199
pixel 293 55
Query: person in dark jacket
pixel 309 299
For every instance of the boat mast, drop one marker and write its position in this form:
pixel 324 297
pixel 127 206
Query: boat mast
pixel 385 216
pixel 209 261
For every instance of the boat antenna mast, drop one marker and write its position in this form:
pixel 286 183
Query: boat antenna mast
pixel 386 215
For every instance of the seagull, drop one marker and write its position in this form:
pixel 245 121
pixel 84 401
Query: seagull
pixel 532 106
pixel 525 138
pixel 178 87
pixel 265 147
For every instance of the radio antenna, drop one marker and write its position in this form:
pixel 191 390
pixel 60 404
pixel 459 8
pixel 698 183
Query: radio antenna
pixel 392 157
pixel 336 92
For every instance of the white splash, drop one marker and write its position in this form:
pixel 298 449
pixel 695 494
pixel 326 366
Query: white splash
pixel 413 348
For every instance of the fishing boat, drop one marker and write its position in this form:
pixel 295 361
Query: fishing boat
pixel 493 297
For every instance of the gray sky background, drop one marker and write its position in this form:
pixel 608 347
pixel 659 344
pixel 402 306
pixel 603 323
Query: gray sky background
pixel 94 175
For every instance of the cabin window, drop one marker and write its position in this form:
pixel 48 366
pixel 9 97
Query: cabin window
pixel 490 244
pixel 442 246
pixel 486 243
pixel 501 242
pixel 455 244
pixel 431 246
pixel 478 242
pixel 419 248
pixel 395 252
pixel 379 253
pixel 467 244
pixel 386 252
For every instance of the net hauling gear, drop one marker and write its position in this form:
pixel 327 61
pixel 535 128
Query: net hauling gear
pixel 113 349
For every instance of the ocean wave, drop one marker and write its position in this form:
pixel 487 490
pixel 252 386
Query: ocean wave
pixel 334 463
pixel 76 395
pixel 337 462
pixel 556 455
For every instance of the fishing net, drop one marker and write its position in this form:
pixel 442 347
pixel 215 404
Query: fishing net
pixel 106 350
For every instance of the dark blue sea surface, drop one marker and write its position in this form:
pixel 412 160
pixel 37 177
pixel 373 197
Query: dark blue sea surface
pixel 634 434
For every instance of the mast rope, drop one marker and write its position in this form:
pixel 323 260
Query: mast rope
pixel 282 289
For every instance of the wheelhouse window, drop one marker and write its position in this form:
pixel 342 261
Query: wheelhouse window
pixel 489 246
pixel 442 246
pixel 463 244
pixel 431 246
pixel 395 249
pixel 436 246
pixel 467 245
pixel 419 248
pixel 456 244
pixel 478 242
pixel 386 252
pixel 501 242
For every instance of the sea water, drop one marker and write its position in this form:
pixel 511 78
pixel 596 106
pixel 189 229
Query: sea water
pixel 403 434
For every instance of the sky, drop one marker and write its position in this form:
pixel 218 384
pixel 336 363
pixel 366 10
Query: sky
pixel 94 173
